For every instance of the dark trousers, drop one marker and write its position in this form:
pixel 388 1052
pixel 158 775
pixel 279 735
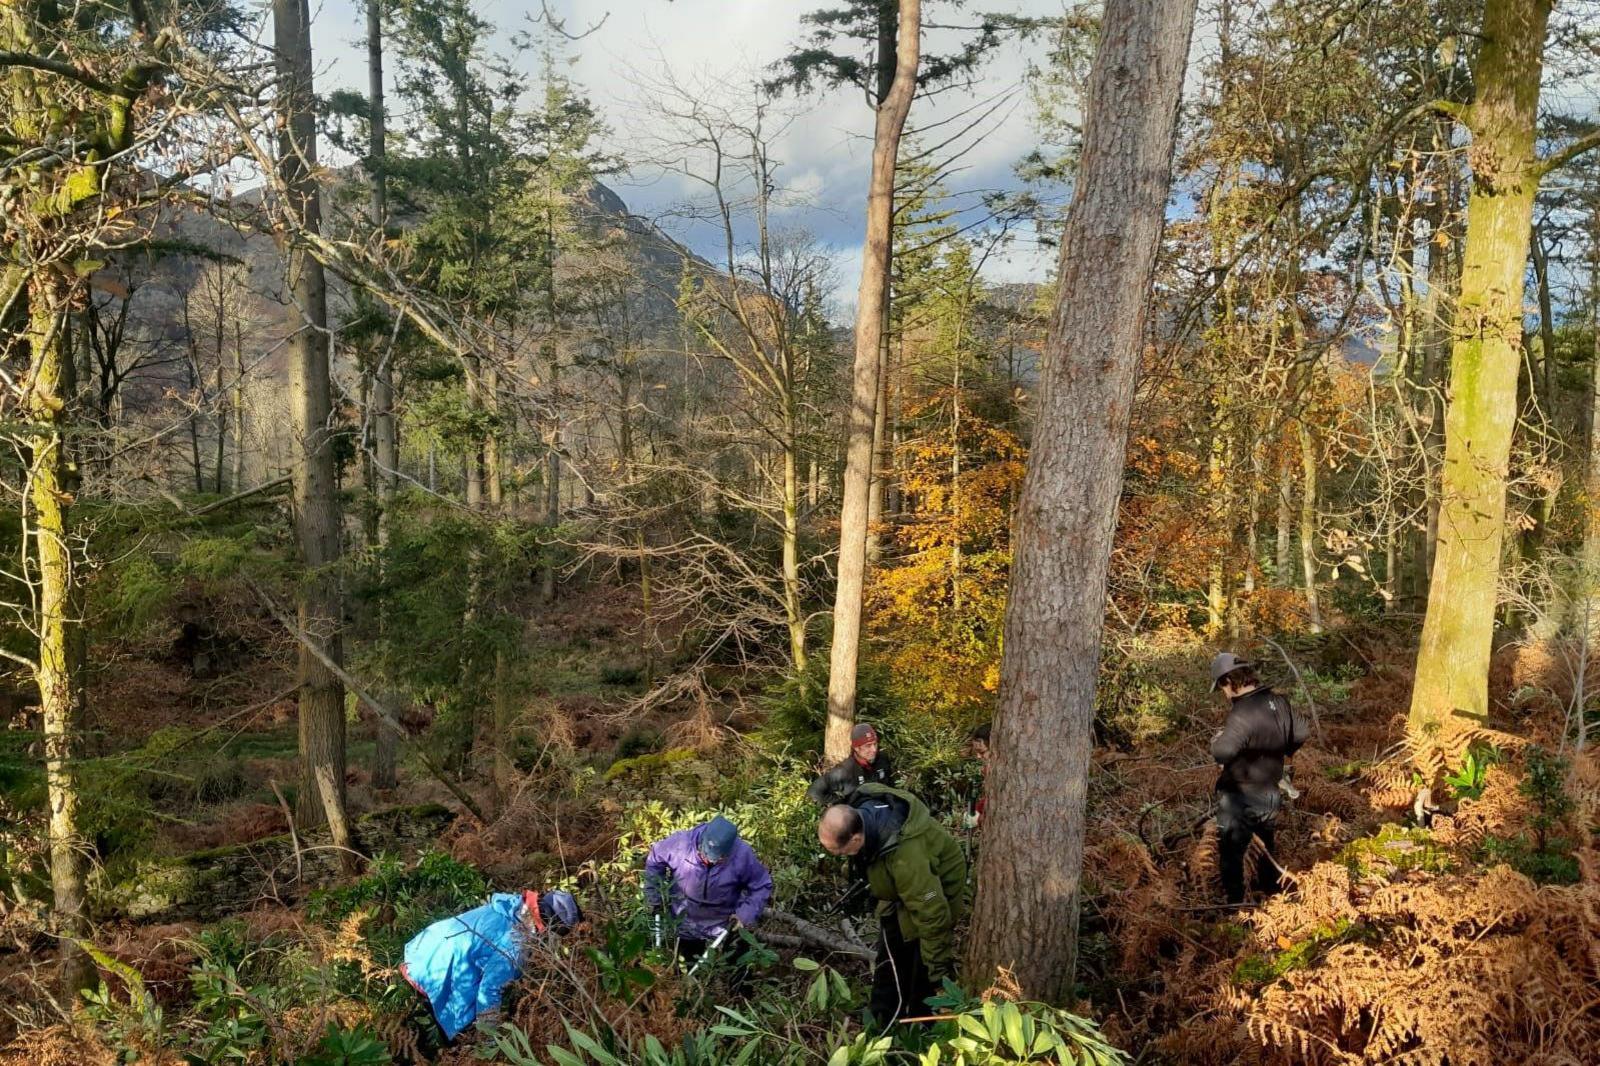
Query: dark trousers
pixel 1241 816
pixel 900 982
pixel 691 950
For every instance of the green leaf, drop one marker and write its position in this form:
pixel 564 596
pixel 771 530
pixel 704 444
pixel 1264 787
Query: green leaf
pixel 841 987
pixel 817 994
pixel 972 1025
pixel 589 1044
pixel 840 1056
pixel 562 1056
pixel 1011 1022
pixel 807 964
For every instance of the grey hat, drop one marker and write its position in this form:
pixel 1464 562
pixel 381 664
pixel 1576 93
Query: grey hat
pixel 1224 664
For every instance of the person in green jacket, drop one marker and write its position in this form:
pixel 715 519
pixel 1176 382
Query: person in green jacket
pixel 918 874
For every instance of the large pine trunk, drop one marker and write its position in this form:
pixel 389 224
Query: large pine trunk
pixel 871 303
pixel 1451 690
pixel 316 507
pixel 1026 916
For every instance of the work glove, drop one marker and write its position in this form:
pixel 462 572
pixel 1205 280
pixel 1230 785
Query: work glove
pixel 969 820
pixel 733 924
pixel 1286 786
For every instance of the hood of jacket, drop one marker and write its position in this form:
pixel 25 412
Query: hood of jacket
pixel 892 817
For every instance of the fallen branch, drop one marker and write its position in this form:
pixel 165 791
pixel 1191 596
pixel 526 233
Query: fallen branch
pixel 379 710
pixel 294 837
pixel 809 934
pixel 245 495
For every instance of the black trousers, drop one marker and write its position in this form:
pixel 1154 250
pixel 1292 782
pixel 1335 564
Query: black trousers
pixel 691 951
pixel 1241 816
pixel 900 981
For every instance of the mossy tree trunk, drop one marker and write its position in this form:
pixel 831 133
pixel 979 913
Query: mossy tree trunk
pixel 58 624
pixel 1451 689
pixel 85 120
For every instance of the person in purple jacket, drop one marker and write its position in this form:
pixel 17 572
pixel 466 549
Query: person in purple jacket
pixel 710 881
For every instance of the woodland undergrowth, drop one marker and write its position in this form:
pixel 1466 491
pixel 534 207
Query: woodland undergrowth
pixel 1470 939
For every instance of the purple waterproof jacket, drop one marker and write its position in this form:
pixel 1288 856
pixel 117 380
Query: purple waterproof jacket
pixel 700 895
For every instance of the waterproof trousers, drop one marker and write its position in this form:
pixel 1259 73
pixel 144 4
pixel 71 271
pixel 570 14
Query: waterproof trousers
pixel 900 981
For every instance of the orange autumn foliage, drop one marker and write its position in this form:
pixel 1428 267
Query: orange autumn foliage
pixel 937 608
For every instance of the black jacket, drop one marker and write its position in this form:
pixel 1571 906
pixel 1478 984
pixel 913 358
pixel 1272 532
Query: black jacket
pixel 839 783
pixel 1260 731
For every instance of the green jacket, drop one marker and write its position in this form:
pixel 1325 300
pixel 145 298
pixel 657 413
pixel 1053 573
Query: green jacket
pixel 919 875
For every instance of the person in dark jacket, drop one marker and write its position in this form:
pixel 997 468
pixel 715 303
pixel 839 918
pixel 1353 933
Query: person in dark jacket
pixel 918 874
pixel 1260 733
pixel 710 881
pixel 867 762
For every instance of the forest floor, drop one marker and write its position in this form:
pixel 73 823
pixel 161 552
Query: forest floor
pixel 1476 939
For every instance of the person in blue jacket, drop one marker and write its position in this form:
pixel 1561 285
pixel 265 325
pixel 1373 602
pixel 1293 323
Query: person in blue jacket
pixel 461 965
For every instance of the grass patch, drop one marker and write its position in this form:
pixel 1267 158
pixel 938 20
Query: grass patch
pixel 1395 849
pixel 1264 968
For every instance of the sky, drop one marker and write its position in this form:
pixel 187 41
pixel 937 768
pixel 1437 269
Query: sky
pixel 824 152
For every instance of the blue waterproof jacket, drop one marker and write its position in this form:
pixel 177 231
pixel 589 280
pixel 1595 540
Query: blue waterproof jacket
pixel 463 964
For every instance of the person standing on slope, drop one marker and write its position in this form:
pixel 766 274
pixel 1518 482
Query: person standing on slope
pixel 1260 733
pixel 866 762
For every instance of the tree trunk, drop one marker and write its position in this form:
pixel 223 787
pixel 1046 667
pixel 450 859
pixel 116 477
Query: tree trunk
pixel 473 466
pixel 880 466
pixel 871 302
pixel 504 743
pixel 793 608
pixel 1308 524
pixel 1451 688
pixel 1444 278
pixel 552 358
pixel 385 441
pixel 1026 917
pixel 316 507
pixel 60 647
pixel 552 499
pixel 222 424
pixel 1218 487
pixel 493 457
pixel 1591 526
pixel 1252 539
pixel 1280 556
pixel 238 406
